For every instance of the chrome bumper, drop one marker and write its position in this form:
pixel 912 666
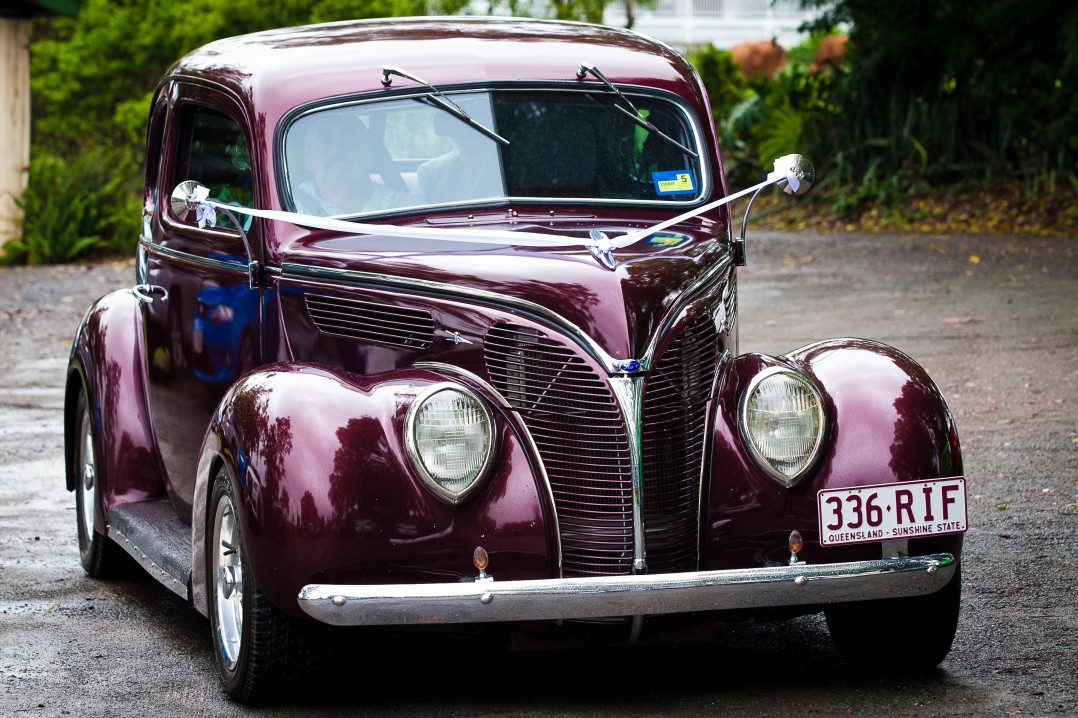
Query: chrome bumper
pixel 568 598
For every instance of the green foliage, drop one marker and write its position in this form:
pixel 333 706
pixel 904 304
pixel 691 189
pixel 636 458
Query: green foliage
pixel 72 207
pixel 92 75
pixel 761 119
pixel 92 79
pixel 579 10
pixel 587 10
pixel 726 86
pixel 952 90
pixel 931 94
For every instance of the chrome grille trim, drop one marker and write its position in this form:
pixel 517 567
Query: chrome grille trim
pixel 371 322
pixel 677 398
pixel 625 456
pixel 580 434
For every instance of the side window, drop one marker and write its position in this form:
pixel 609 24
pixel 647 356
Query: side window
pixel 213 151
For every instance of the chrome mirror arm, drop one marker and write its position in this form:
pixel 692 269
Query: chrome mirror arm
pixel 254 268
pixel 739 243
pixel 793 174
pixel 188 196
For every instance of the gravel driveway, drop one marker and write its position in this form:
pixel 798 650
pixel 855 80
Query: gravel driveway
pixel 994 320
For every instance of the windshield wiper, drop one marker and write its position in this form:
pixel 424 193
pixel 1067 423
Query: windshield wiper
pixel 436 97
pixel 632 113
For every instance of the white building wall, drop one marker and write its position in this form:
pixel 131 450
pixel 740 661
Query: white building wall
pixel 687 24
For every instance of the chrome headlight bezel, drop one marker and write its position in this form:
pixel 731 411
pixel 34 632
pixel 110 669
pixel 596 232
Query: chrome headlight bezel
pixel 415 453
pixel 804 466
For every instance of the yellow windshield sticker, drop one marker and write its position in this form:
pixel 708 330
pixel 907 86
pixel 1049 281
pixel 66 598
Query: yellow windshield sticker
pixel 674 182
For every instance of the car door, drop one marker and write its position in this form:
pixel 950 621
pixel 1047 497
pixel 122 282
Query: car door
pixel 203 328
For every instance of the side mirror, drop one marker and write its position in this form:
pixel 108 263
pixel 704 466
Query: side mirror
pixel 794 174
pixel 185 199
pixel 801 170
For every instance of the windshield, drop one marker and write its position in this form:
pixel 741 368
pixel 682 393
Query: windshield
pixel 559 144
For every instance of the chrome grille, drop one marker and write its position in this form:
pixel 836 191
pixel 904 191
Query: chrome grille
pixel 574 419
pixel 578 429
pixel 371 322
pixel 676 394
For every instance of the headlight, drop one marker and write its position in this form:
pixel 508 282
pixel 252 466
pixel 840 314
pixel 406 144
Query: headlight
pixel 782 423
pixel 450 437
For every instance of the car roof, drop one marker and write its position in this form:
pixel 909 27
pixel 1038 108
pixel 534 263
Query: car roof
pixel 281 69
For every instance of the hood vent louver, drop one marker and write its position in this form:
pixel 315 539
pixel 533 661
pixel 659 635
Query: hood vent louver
pixel 371 322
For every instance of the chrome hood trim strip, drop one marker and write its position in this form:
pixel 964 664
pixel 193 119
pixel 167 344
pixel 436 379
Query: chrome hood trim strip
pixel 629 392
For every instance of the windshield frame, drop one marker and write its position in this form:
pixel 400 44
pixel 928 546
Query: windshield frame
pixel 704 166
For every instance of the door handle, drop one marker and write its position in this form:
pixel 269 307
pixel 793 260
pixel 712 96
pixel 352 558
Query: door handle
pixel 148 292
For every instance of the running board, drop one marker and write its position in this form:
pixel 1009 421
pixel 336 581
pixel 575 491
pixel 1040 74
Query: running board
pixel 155 537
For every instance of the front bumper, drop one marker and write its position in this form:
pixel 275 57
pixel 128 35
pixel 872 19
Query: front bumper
pixel 599 597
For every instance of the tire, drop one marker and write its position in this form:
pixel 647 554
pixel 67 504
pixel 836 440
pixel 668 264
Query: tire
pixel 101 557
pixel 900 634
pixel 263 654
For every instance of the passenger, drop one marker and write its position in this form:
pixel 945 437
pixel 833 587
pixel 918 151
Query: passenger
pixel 469 171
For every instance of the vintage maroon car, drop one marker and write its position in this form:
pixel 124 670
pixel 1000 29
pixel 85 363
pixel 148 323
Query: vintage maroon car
pixel 435 323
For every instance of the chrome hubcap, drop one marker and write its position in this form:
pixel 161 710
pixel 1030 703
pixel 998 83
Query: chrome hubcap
pixel 228 580
pixel 87 485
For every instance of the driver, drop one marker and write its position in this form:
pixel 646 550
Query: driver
pixel 336 156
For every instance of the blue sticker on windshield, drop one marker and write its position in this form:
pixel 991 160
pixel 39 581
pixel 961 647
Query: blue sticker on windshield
pixel 674 182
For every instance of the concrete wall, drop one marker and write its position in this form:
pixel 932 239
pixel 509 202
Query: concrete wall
pixel 14 119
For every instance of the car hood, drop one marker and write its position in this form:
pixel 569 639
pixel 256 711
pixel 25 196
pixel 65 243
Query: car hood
pixel 620 308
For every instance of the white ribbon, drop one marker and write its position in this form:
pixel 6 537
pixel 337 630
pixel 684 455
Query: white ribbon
pixel 204 213
pixel 598 241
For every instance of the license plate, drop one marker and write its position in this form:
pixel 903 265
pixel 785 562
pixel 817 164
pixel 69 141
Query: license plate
pixel 892 511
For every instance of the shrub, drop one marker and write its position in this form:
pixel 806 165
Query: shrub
pixel 73 206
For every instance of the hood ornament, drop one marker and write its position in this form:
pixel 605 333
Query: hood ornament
pixel 602 249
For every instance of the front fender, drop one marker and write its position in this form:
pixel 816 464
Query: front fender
pixel 328 494
pixel 886 422
pixel 108 362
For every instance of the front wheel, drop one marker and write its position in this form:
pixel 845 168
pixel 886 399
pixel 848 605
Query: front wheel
pixel 901 634
pixel 100 556
pixel 262 653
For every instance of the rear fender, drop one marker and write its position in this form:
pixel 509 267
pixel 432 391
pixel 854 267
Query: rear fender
pixel 108 362
pixel 886 422
pixel 327 492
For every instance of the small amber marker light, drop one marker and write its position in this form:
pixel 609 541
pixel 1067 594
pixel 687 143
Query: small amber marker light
pixel 480 558
pixel 796 544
